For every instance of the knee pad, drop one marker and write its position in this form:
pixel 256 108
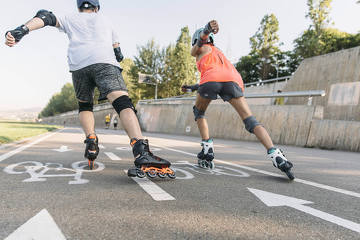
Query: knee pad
pixel 251 123
pixel 85 106
pixel 198 113
pixel 48 18
pixel 122 103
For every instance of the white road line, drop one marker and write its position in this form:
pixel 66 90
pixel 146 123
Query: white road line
pixel 157 193
pixel 112 156
pixel 314 184
pixel 22 148
pixel 101 146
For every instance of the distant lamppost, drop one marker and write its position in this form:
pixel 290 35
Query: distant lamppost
pixel 146 78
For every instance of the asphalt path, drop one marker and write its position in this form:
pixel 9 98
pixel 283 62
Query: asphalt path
pixel 47 190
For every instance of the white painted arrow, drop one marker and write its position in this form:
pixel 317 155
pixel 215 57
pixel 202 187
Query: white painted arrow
pixel 40 227
pixel 276 200
pixel 101 146
pixel 62 149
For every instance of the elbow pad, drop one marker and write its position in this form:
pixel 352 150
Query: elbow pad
pixel 118 54
pixel 48 18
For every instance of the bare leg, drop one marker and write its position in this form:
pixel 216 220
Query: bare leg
pixel 127 116
pixel 244 112
pixel 202 104
pixel 87 122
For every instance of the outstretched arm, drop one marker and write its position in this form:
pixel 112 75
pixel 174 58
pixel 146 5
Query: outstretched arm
pixel 202 37
pixel 42 18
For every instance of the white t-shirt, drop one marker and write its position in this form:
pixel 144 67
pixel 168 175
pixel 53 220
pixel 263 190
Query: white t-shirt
pixel 91 37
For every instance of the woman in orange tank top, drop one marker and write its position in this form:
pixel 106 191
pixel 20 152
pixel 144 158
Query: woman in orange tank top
pixel 219 77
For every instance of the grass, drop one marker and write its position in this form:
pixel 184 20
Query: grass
pixel 11 131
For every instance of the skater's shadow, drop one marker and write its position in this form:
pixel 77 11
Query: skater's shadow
pixel 274 179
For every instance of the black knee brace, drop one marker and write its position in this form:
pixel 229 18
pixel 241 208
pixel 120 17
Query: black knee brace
pixel 251 123
pixel 122 103
pixel 198 113
pixel 85 106
pixel 48 18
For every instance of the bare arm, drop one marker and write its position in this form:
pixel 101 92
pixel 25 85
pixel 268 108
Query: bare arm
pixel 43 18
pixel 211 27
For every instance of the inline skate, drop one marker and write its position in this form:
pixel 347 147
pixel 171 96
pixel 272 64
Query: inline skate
pixel 206 156
pixel 146 163
pixel 279 161
pixel 92 149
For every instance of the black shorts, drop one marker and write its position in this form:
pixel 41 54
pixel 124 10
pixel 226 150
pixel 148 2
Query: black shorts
pixel 226 90
pixel 106 77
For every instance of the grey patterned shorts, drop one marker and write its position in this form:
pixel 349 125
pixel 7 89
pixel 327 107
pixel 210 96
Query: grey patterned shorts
pixel 106 77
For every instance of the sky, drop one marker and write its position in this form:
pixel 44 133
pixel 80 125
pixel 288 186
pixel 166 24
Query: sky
pixel 36 68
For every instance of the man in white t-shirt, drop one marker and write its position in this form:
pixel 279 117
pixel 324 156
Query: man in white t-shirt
pixel 92 46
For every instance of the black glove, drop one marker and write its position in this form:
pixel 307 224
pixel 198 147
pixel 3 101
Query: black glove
pixel 19 32
pixel 118 54
pixel 211 27
pixel 193 88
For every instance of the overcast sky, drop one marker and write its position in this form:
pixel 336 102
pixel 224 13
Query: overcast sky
pixel 37 68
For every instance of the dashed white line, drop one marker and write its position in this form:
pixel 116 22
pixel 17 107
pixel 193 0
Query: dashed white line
pixel 314 184
pixel 112 156
pixel 156 192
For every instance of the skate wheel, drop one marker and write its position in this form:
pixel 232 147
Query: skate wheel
pixel 140 174
pixel 211 165
pixel 151 173
pixel 172 175
pixel 162 175
pixel 201 163
pixel 290 175
pixel 91 164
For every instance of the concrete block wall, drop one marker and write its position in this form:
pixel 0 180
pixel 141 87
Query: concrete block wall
pixel 286 124
pixel 335 134
pixel 338 74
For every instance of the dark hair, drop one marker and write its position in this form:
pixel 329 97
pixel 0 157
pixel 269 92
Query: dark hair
pixel 87 6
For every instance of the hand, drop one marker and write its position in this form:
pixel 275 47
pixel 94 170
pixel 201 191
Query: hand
pixel 14 36
pixel 212 27
pixel 184 88
pixel 10 40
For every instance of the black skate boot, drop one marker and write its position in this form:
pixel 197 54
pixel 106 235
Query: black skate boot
pixel 92 149
pixel 279 161
pixel 206 156
pixel 147 163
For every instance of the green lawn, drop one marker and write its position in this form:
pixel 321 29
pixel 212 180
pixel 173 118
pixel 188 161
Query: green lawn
pixel 13 131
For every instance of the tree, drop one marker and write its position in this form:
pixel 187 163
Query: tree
pixel 149 61
pixel 179 66
pixel 261 62
pixel 248 67
pixel 61 102
pixel 126 65
pixel 265 44
pixel 311 42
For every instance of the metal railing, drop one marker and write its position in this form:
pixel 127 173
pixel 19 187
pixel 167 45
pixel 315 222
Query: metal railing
pixel 309 94
pixel 261 82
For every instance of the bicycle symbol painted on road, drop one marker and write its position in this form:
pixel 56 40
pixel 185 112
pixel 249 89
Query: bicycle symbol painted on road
pixel 39 172
pixel 219 170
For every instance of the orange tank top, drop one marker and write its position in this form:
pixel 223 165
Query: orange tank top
pixel 215 67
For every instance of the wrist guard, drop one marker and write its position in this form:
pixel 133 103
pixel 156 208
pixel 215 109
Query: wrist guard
pixel 19 32
pixel 118 54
